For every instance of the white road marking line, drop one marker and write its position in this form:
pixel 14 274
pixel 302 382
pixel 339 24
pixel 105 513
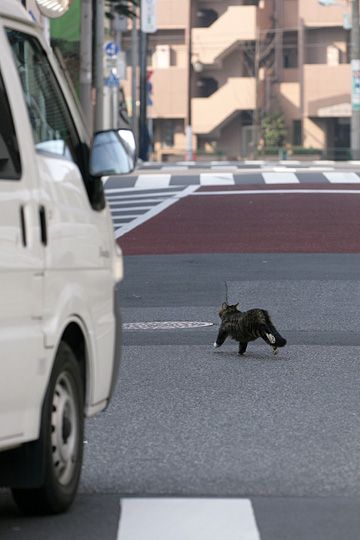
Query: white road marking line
pixel 174 168
pixel 213 179
pixel 324 162
pixel 187 519
pixel 317 168
pixel 253 162
pixel 290 162
pixel 115 210
pixel 283 178
pixel 153 180
pixel 342 177
pixel 139 196
pixel 155 210
pixel 224 167
pixel 278 192
pixel 143 202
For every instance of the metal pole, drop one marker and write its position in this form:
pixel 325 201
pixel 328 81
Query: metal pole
pixel 134 65
pixel 143 146
pixel 355 68
pixel 188 129
pixel 85 63
pixel 99 54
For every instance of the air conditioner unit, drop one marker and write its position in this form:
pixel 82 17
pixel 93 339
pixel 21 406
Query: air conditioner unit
pixel 162 55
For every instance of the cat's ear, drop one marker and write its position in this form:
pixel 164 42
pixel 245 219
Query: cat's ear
pixel 224 306
pixel 236 305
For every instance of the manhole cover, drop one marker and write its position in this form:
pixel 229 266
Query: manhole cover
pixel 165 325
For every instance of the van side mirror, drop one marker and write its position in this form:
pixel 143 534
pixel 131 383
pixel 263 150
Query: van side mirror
pixel 113 152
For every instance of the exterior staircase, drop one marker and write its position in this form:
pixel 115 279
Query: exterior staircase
pixel 237 94
pixel 210 45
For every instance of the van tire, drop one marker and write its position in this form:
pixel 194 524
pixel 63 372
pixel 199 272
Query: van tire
pixel 60 445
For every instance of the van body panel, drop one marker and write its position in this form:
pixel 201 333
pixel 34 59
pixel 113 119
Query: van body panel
pixel 56 252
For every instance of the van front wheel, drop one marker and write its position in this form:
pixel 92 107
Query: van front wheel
pixel 60 445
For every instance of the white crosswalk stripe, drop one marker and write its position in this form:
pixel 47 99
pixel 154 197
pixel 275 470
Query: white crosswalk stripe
pixel 213 179
pixel 282 178
pixel 153 180
pixel 187 519
pixel 342 177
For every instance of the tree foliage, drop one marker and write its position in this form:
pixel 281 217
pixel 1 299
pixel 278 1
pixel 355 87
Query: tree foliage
pixel 123 7
pixel 273 130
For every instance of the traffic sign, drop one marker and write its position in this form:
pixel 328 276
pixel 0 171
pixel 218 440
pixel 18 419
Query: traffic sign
pixel 111 49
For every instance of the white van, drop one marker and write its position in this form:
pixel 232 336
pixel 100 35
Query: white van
pixel 59 268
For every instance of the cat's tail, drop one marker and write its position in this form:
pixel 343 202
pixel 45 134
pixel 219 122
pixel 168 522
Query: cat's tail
pixel 273 337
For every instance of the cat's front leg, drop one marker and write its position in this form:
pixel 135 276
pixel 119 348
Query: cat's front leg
pixel 242 348
pixel 222 335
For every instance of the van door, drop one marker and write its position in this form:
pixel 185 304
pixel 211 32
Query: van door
pixel 21 265
pixel 78 239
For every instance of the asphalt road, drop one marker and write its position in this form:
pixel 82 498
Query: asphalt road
pixel 188 421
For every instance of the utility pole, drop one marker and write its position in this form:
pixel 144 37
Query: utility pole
pixel 143 133
pixel 99 70
pixel 134 65
pixel 188 128
pixel 86 63
pixel 355 69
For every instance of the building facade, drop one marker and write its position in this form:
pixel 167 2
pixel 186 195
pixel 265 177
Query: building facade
pixel 221 66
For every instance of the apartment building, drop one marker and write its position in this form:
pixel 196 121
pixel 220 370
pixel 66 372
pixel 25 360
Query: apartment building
pixel 221 65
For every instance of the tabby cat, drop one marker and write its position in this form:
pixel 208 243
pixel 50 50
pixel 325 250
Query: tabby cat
pixel 247 326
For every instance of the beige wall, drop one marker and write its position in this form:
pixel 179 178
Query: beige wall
pixel 290 13
pixel 316 15
pixel 169 93
pixel 172 13
pixel 326 86
pixel 289 100
pixel 314 133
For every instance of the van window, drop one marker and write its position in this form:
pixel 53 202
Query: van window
pixel 53 129
pixel 10 165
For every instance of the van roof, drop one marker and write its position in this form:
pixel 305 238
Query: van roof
pixel 13 9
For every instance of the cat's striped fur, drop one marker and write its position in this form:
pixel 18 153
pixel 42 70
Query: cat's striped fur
pixel 247 326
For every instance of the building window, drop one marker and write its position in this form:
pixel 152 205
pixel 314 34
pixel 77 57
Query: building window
pixel 290 50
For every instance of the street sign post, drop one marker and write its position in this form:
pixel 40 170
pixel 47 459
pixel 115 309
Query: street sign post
pixel 148 16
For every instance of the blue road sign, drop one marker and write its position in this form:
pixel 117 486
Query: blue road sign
pixel 111 49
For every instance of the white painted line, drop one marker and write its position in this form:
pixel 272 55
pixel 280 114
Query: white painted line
pixel 354 162
pixel 187 519
pixel 153 181
pixel 185 163
pixel 290 162
pixel 280 168
pixel 213 179
pixel 324 162
pixel 143 202
pixel 220 163
pixel 317 168
pixel 342 177
pixel 155 210
pixel 224 167
pixel 174 168
pixel 279 192
pixel 139 196
pixel 282 178
pixel 254 162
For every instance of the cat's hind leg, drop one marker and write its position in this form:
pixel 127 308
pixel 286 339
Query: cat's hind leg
pixel 242 348
pixel 222 335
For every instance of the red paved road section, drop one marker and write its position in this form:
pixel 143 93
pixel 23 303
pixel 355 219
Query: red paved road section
pixel 310 223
